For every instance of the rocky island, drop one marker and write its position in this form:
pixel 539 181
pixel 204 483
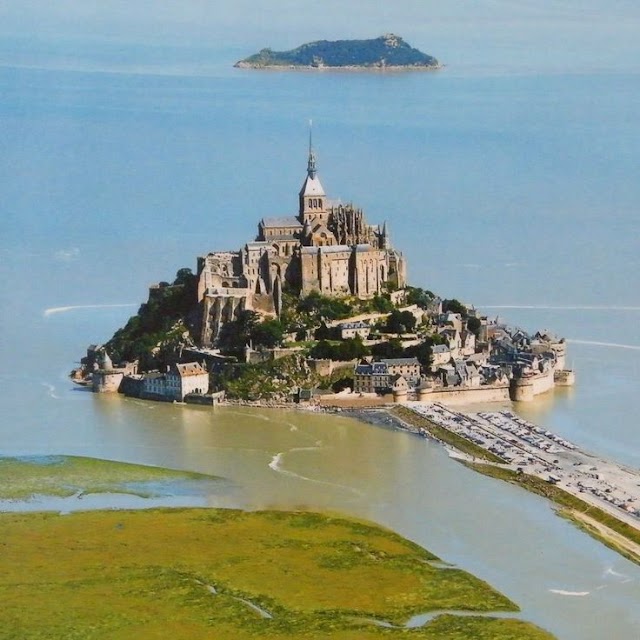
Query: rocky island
pixel 386 52
pixel 317 312
pixel 317 304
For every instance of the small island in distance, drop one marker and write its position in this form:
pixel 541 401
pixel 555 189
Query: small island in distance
pixel 386 52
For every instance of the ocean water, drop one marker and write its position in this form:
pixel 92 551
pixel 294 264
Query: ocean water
pixel 129 145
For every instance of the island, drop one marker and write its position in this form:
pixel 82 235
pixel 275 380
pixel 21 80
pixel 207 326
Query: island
pixel 386 52
pixel 317 309
pixel 316 312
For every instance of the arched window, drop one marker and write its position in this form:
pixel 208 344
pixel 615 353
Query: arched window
pixel 320 203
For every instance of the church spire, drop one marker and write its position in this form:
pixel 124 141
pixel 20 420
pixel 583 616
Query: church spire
pixel 311 164
pixel 313 202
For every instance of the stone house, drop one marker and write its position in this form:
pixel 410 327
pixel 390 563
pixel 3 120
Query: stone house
pixel 453 340
pixel 176 383
pixel 468 342
pixel 353 329
pixel 409 368
pixel 440 355
pixel 183 379
pixel 378 377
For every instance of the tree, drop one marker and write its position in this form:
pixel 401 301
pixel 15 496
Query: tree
pixel 184 276
pixel 268 334
pixel 319 306
pixel 352 349
pixel 322 351
pixel 237 334
pixel 326 333
pixel 416 295
pixel 454 306
pixel 382 304
pixel 474 324
pixel 400 322
pixel 423 352
pixel 391 349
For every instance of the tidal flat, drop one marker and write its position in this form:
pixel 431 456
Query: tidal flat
pixel 205 573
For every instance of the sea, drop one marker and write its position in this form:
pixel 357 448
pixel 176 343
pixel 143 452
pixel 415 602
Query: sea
pixel 129 145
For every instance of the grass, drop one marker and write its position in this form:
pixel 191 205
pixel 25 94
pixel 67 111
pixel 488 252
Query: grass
pixel 21 478
pixel 144 575
pixel 569 504
pixel 444 435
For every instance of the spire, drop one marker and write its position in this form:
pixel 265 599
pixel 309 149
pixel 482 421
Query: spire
pixel 311 164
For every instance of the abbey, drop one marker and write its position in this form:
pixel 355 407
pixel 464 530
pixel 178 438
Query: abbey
pixel 328 247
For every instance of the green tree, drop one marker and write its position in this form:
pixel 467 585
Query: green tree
pixel 267 333
pixel 391 349
pixel 237 334
pixel 454 306
pixel 184 276
pixel 319 306
pixel 323 350
pixel 351 349
pixel 416 295
pixel 382 304
pixel 400 322
pixel 474 324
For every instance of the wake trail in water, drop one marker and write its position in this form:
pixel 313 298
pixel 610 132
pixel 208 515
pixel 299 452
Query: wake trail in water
pixel 292 427
pixel 562 592
pixel 51 390
pixel 276 465
pixel 53 310
pixel 597 343
pixel 545 307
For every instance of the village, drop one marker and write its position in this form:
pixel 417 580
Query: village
pixel 434 354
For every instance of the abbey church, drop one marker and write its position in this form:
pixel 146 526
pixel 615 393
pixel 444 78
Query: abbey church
pixel 328 247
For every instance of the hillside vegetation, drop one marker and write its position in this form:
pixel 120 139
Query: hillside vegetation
pixel 386 51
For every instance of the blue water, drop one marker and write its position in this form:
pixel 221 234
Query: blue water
pixel 129 145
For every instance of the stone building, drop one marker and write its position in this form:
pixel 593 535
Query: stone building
pixel 177 382
pixel 378 377
pixel 327 247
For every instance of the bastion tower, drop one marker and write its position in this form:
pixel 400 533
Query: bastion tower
pixel 328 247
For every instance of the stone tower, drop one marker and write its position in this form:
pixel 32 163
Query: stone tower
pixel 313 199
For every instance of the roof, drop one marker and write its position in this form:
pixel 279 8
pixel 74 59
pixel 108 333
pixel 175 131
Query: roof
pixel 363 247
pixel 312 187
pixel 282 221
pixel 440 348
pixel 378 368
pixel 257 244
pixel 154 375
pixel 289 237
pixel 336 248
pixel 190 369
pixel 400 361
pixel 354 325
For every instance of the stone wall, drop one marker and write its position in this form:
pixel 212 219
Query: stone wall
pixel 454 396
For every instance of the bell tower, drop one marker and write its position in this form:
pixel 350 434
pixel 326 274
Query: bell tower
pixel 313 200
